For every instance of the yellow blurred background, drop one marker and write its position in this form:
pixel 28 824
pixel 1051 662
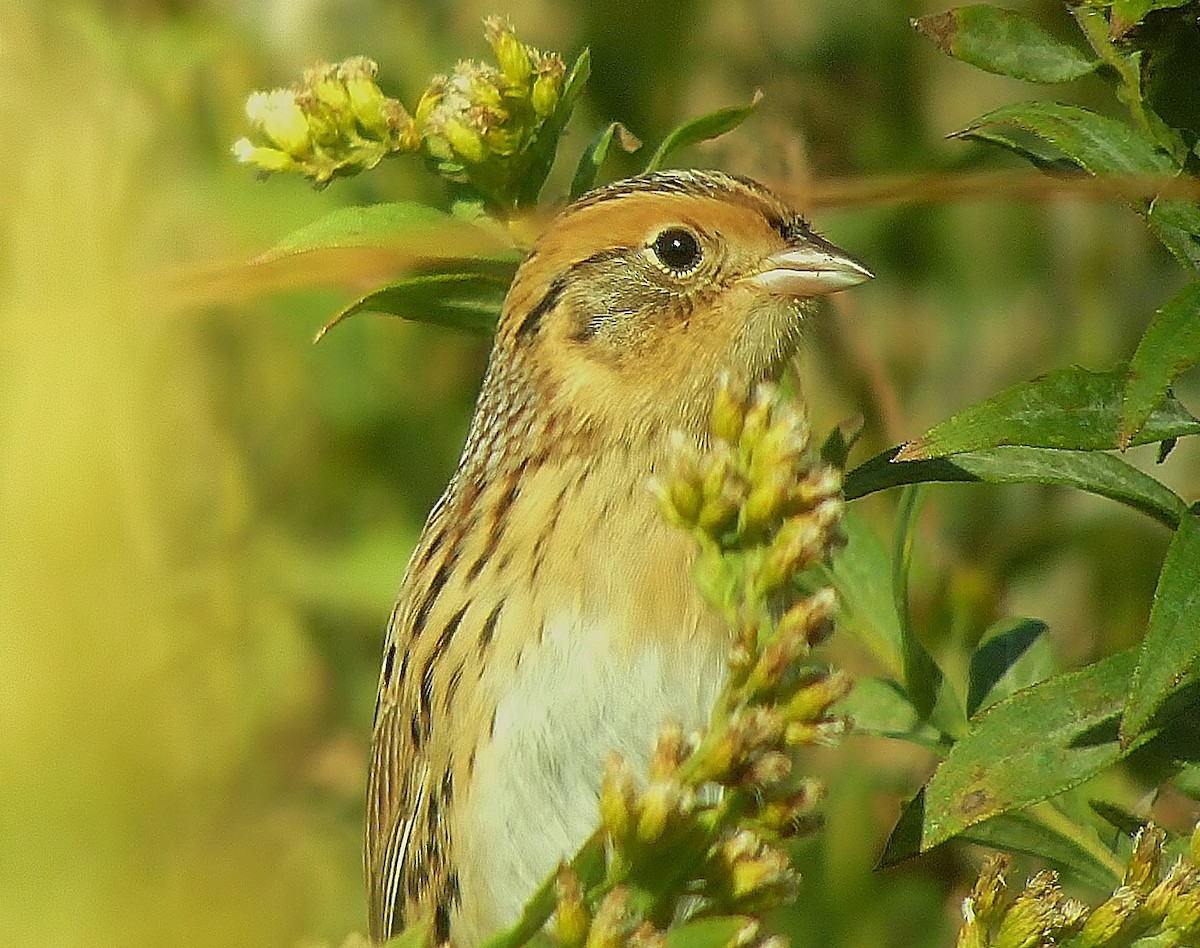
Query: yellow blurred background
pixel 203 518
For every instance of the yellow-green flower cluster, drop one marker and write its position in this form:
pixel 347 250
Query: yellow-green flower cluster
pixel 1148 904
pixel 479 122
pixel 704 830
pixel 336 121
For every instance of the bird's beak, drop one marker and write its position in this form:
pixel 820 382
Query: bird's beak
pixel 813 268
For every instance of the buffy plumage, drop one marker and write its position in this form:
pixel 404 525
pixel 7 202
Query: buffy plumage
pixel 547 616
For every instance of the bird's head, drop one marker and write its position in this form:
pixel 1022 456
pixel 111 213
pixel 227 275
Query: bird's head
pixel 641 295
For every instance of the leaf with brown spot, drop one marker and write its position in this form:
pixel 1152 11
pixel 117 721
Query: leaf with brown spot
pixel 1030 746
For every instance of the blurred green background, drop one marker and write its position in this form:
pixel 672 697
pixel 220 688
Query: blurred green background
pixel 204 518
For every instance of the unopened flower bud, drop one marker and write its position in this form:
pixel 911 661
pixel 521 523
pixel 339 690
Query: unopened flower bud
pixel 511 53
pixel 611 922
pixel 766 502
pixel 547 87
pixel 797 545
pixel 728 412
pixel 1040 915
pixel 658 804
pixel 770 769
pixel 1179 879
pixel 466 142
pixel 668 751
pixel 1142 873
pixel 812 701
pixel 571 918
pixel 1111 919
pixel 281 119
pixel 616 798
pixel 787 815
pixel 264 159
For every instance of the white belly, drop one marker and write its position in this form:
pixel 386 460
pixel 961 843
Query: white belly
pixel 573 701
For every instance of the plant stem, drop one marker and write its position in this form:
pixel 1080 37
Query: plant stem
pixel 1094 25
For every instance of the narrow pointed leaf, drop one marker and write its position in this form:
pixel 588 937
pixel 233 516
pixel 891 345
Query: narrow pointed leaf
pixel 1070 408
pixel 1034 832
pixel 1004 42
pixel 1007 660
pixel 404 223
pixel 1092 471
pixel 465 301
pixel 1102 145
pixel 862 576
pixel 1169 347
pixel 1029 747
pixel 702 129
pixel 1171 647
pixel 1097 143
pixel 1063 847
pixel 595 154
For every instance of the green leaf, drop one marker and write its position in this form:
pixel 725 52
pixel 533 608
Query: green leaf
pixel 1092 471
pixel 1049 835
pixel 1169 346
pixel 702 129
pixel 392 224
pixel 720 932
pixel 1004 42
pixel 1096 143
pixel 594 155
pixel 1029 747
pixel 1069 408
pixel 1008 659
pixel 1177 225
pixel 1171 647
pixel 862 575
pixel 922 677
pixel 880 708
pixel 1101 146
pixel 466 301
pixel 545 148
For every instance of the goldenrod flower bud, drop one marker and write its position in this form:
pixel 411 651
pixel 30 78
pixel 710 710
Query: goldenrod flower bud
pixel 1112 919
pixel 812 702
pixel 367 101
pixel 611 921
pixel 766 502
pixel 668 751
pixel 770 769
pixel 1181 878
pixel 658 804
pixel 1040 915
pixel 511 53
pixel 571 919
pixel 281 119
pixel 728 412
pixel 265 159
pixel 616 798
pixel 466 141
pixel 1183 914
pixel 1142 873
pixel 797 545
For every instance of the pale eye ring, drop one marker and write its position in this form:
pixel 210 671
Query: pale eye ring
pixel 678 250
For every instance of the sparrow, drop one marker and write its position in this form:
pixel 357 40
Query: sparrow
pixel 547 617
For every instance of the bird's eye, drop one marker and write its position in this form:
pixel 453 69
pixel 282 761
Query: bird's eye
pixel 678 250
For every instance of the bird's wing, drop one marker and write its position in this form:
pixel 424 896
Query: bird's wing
pixel 397 800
